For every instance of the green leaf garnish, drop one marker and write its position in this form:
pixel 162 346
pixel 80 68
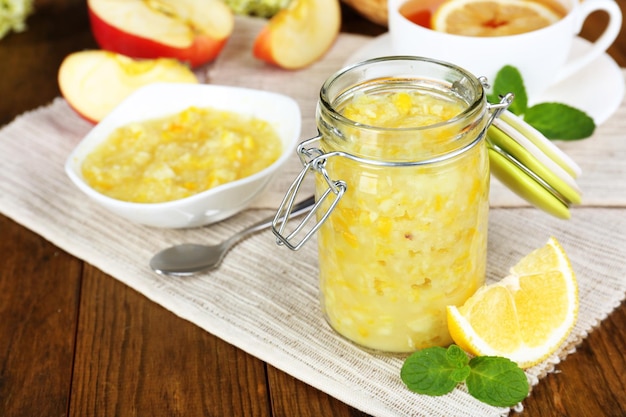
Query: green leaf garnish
pixel 456 355
pixel 432 372
pixel 496 381
pixel 554 120
pixel 560 121
pixel 509 80
pixel 437 371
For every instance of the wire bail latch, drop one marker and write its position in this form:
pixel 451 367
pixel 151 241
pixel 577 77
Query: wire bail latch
pixel 313 159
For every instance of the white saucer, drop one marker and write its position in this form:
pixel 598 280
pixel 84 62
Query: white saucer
pixel 598 89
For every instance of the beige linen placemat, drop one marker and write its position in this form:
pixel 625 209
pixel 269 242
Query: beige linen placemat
pixel 270 308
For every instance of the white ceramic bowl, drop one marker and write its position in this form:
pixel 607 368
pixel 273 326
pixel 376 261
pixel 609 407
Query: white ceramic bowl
pixel 159 100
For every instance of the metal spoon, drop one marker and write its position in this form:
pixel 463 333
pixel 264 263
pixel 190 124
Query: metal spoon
pixel 190 258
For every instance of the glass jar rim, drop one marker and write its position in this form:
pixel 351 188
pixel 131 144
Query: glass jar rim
pixel 473 106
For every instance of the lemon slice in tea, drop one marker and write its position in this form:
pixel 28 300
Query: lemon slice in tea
pixel 492 17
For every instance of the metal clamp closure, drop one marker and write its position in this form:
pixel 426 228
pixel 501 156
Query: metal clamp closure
pixel 313 159
pixel 498 108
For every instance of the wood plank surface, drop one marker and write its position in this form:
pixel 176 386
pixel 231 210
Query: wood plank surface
pixel 134 358
pixel 76 342
pixel 39 297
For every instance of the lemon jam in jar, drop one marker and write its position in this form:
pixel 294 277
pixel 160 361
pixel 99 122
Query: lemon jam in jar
pixel 402 184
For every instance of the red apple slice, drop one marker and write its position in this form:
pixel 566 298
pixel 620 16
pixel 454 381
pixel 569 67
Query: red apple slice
pixel 300 34
pixel 193 31
pixel 94 82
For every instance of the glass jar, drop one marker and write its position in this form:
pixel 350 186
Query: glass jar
pixel 402 186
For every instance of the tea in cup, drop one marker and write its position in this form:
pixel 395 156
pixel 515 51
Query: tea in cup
pixel 483 36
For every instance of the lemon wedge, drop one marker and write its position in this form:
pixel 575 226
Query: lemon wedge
pixel 524 317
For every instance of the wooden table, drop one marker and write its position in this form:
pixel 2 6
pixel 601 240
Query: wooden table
pixel 76 342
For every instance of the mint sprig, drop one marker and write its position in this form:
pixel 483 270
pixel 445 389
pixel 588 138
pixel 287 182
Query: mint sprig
pixel 437 371
pixel 554 120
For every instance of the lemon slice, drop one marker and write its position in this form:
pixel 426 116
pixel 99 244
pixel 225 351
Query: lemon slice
pixel 492 17
pixel 524 317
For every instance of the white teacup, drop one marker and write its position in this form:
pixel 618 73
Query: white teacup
pixel 541 56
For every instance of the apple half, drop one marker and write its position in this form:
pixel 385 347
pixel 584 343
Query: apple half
pixel 300 34
pixel 193 31
pixel 95 82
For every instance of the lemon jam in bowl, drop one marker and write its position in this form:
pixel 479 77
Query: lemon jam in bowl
pixel 402 184
pixel 177 156
pixel 184 155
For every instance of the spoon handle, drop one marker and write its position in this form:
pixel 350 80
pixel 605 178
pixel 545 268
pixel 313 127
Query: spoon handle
pixel 302 207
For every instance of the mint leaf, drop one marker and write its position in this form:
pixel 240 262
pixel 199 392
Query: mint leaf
pixel 560 121
pixel 431 371
pixel 460 374
pixel 554 120
pixel 496 381
pixel 456 356
pixel 509 80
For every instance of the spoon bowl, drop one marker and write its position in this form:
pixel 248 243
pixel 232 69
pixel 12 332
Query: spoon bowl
pixel 190 258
